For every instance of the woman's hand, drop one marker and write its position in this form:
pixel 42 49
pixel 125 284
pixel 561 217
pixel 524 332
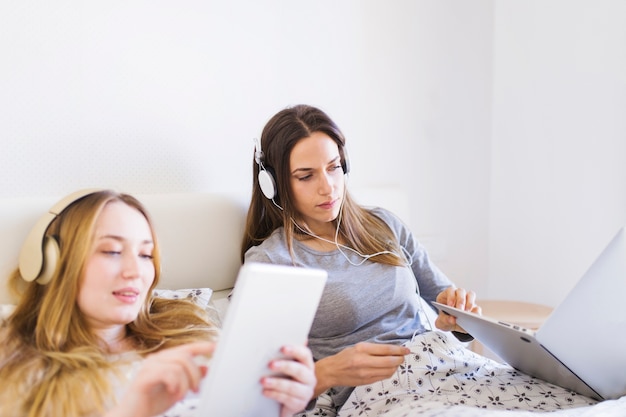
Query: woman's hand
pixel 293 389
pixel 363 363
pixel 459 298
pixel 164 379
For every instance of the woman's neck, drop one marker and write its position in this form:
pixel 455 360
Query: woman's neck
pixel 325 231
pixel 115 339
pixel 323 240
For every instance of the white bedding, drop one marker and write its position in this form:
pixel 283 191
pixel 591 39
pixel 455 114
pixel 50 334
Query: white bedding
pixel 612 408
pixel 442 378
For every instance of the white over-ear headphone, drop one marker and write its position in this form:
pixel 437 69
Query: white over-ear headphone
pixel 40 254
pixel 267 182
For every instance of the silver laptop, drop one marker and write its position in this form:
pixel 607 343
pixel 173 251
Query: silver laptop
pixel 271 306
pixel 582 344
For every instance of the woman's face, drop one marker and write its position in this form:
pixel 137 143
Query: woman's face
pixel 317 181
pixel 119 270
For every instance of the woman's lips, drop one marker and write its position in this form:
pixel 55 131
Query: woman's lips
pixel 328 205
pixel 127 295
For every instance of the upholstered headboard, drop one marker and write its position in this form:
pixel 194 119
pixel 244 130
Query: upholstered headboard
pixel 199 234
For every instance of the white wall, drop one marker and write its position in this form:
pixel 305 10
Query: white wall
pixel 501 119
pixel 558 183
pixel 156 96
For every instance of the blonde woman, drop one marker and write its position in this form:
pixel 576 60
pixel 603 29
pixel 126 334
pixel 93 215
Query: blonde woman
pixel 89 339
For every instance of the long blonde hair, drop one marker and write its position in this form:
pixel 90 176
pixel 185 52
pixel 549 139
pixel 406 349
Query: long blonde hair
pixel 51 363
pixel 361 229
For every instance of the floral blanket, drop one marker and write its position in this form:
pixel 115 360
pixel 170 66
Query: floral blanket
pixel 443 378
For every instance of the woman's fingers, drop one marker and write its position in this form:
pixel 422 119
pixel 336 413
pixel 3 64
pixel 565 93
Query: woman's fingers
pixel 293 381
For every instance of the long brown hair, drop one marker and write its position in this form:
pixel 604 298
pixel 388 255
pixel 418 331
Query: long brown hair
pixel 359 227
pixel 51 363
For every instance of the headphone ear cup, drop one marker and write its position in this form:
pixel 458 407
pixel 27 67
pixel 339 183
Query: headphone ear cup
pixel 51 254
pixel 39 254
pixel 267 184
pixel 345 161
pixel 32 254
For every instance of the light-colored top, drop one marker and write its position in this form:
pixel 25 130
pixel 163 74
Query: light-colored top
pixel 370 302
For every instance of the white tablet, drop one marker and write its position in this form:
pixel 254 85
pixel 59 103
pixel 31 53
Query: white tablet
pixel 271 306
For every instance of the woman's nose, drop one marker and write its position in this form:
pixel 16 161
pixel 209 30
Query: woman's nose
pixel 130 266
pixel 326 184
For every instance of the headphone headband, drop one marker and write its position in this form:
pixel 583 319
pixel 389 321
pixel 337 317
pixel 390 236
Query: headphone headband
pixel 39 255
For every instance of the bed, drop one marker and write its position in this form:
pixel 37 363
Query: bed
pixel 200 234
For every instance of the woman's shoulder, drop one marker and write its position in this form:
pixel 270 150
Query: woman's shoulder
pixel 276 239
pixel 272 247
pixel 387 216
pixel 397 226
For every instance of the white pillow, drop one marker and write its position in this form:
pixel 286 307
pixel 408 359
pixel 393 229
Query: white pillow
pixel 200 296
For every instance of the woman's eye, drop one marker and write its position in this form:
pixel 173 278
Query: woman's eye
pixel 305 178
pixel 111 252
pixel 146 255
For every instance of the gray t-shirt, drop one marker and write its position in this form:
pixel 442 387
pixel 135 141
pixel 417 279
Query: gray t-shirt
pixel 370 302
